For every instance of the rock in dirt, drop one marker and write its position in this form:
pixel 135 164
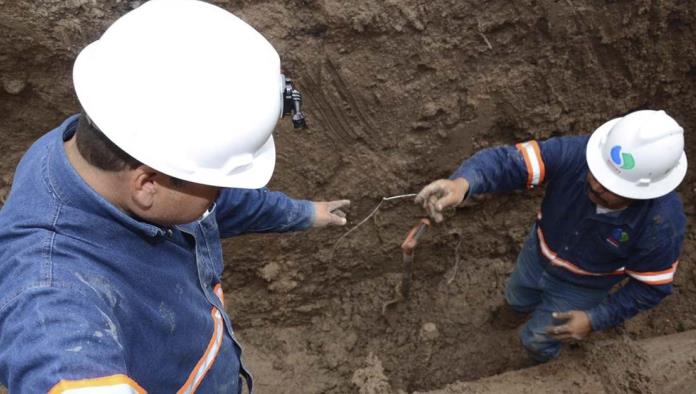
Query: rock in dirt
pixel 371 378
pixel 429 332
pixel 14 86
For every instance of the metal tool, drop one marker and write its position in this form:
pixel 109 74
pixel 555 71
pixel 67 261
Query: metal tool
pixel 403 289
pixel 407 248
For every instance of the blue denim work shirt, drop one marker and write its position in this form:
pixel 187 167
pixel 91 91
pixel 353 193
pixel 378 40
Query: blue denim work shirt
pixel 579 244
pixel 91 297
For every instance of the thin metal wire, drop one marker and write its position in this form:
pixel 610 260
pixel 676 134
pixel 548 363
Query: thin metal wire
pixel 391 198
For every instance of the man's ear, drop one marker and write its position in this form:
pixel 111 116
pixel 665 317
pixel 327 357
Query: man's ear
pixel 143 186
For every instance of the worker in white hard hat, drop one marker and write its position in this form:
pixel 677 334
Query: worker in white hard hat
pixel 609 215
pixel 110 253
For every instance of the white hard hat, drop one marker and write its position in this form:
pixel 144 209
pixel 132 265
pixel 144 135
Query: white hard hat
pixel 639 156
pixel 188 89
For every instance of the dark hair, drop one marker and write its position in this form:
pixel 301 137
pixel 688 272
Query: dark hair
pixel 98 150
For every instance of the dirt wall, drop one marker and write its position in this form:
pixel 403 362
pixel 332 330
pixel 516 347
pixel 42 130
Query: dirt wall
pixel 397 93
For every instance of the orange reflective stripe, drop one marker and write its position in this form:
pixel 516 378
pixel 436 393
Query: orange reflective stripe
pixel 218 292
pixel 533 161
pixel 650 278
pixel 107 384
pixel 655 278
pixel 206 361
pixel 557 261
pixel 668 270
pixel 523 151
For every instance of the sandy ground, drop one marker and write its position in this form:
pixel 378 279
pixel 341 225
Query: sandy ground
pixel 397 93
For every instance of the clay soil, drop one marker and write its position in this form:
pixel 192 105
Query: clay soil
pixel 397 93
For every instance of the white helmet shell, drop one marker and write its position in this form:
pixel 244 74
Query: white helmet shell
pixel 640 156
pixel 188 89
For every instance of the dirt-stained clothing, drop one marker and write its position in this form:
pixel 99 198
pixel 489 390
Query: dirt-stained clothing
pixel 578 243
pixel 91 297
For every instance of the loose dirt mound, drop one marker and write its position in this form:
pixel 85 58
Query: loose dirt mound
pixel 397 93
pixel 664 365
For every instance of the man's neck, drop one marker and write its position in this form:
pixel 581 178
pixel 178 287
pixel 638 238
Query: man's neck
pixel 107 184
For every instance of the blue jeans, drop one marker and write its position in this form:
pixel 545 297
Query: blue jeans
pixel 530 289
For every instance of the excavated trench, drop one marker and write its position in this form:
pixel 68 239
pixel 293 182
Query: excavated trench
pixel 397 93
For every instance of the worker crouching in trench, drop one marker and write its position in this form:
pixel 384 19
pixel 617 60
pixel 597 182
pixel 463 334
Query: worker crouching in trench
pixel 609 214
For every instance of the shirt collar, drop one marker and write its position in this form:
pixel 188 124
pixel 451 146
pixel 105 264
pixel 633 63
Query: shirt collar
pixel 629 216
pixel 72 190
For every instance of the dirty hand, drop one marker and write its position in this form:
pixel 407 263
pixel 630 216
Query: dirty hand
pixel 330 213
pixel 576 325
pixel 441 194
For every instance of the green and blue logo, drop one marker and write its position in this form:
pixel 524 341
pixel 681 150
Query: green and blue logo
pixel 621 159
pixel 617 237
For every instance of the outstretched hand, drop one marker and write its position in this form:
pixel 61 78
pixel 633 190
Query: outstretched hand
pixel 575 325
pixel 442 194
pixel 330 213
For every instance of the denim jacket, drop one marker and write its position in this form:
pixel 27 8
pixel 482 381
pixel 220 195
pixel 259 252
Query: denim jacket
pixel 579 245
pixel 91 297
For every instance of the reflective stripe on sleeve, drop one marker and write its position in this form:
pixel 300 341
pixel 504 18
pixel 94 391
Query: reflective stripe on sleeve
pixel 208 358
pixel 532 159
pixel 655 278
pixel 114 384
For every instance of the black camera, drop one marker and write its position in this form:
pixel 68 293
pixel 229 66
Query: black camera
pixel 292 104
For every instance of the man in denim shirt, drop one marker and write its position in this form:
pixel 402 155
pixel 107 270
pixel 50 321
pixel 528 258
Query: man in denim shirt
pixel 609 213
pixel 110 254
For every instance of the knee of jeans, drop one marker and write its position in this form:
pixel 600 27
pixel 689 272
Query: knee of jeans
pixel 540 346
pixel 511 298
pixel 517 303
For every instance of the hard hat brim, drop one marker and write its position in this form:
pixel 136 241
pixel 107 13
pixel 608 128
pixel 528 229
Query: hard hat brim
pixel 605 174
pixel 254 176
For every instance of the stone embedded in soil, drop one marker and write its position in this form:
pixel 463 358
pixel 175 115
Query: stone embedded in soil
pixel 283 285
pixel 371 378
pixel 429 332
pixel 270 271
pixel 14 86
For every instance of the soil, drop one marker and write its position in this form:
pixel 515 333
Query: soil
pixel 397 93
pixel 656 365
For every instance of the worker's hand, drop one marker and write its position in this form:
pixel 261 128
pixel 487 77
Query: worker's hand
pixel 442 194
pixel 575 325
pixel 330 213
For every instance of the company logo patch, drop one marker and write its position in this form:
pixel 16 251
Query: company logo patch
pixel 621 159
pixel 617 237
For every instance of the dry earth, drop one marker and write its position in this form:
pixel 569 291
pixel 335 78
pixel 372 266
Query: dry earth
pixel 397 93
